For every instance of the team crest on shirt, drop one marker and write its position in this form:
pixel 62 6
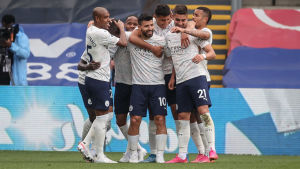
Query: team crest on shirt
pixel 130 108
pixel 106 103
pixel 90 101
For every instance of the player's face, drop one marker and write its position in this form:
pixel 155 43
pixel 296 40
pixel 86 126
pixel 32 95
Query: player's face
pixel 131 23
pixel 147 28
pixel 199 17
pixel 104 20
pixel 163 21
pixel 180 20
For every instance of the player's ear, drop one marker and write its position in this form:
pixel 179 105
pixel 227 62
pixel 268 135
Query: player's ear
pixel 206 19
pixel 171 14
pixel 97 19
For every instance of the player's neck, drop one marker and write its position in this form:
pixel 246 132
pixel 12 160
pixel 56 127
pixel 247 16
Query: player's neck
pixel 99 26
pixel 145 38
pixel 202 26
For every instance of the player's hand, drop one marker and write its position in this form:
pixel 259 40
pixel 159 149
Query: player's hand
pixel 93 65
pixel 171 84
pixel 119 23
pixel 177 29
pixel 157 50
pixel 185 42
pixel 198 58
pixel 91 22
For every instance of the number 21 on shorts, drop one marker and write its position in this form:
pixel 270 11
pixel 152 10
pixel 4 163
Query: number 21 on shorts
pixel 202 94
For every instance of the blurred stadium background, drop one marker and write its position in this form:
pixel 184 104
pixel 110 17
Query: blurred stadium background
pixel 255 77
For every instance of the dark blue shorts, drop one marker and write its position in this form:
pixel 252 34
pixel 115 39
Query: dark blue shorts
pixel 99 93
pixel 171 94
pixel 193 92
pixel 148 96
pixel 122 98
pixel 111 99
pixel 84 95
pixel 208 84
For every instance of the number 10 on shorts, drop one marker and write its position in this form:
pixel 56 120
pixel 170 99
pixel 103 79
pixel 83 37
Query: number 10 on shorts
pixel 162 101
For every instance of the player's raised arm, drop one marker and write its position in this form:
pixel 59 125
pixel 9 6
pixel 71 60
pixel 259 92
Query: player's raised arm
pixel 198 33
pixel 194 32
pixel 122 41
pixel 135 38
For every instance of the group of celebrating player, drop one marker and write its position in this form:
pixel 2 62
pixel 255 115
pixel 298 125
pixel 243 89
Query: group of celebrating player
pixel 151 55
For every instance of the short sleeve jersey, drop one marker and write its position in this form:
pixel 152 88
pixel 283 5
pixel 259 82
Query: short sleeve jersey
pixel 182 57
pixel 123 71
pixel 204 62
pixel 167 62
pixel 146 67
pixel 97 42
pixel 162 32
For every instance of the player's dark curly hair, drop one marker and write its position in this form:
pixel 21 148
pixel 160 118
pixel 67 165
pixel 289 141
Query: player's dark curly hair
pixel 162 10
pixel 113 28
pixel 144 17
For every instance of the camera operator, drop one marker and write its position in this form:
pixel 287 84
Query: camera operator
pixel 14 51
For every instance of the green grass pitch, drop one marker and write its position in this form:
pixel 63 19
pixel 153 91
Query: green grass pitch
pixel 73 160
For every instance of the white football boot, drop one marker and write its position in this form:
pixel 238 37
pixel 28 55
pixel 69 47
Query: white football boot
pixel 101 158
pixel 134 157
pixel 142 153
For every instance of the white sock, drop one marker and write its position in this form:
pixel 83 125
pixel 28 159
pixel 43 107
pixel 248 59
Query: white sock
pixel 110 117
pixel 124 130
pixel 203 137
pixel 177 126
pixel 152 134
pixel 195 133
pixel 183 137
pixel 100 132
pixel 86 127
pixel 93 146
pixel 209 130
pixel 132 142
pixel 90 135
pixel 161 140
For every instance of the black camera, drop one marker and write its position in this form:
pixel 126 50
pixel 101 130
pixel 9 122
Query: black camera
pixel 5 34
pixel 5 54
pixel 9 33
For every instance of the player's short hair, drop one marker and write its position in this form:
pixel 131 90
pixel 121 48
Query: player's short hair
pixel 207 11
pixel 144 17
pixel 180 9
pixel 162 10
pixel 8 19
pixel 114 29
pixel 130 16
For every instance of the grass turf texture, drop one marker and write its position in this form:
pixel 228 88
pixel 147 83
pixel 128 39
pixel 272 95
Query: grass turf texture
pixel 73 160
